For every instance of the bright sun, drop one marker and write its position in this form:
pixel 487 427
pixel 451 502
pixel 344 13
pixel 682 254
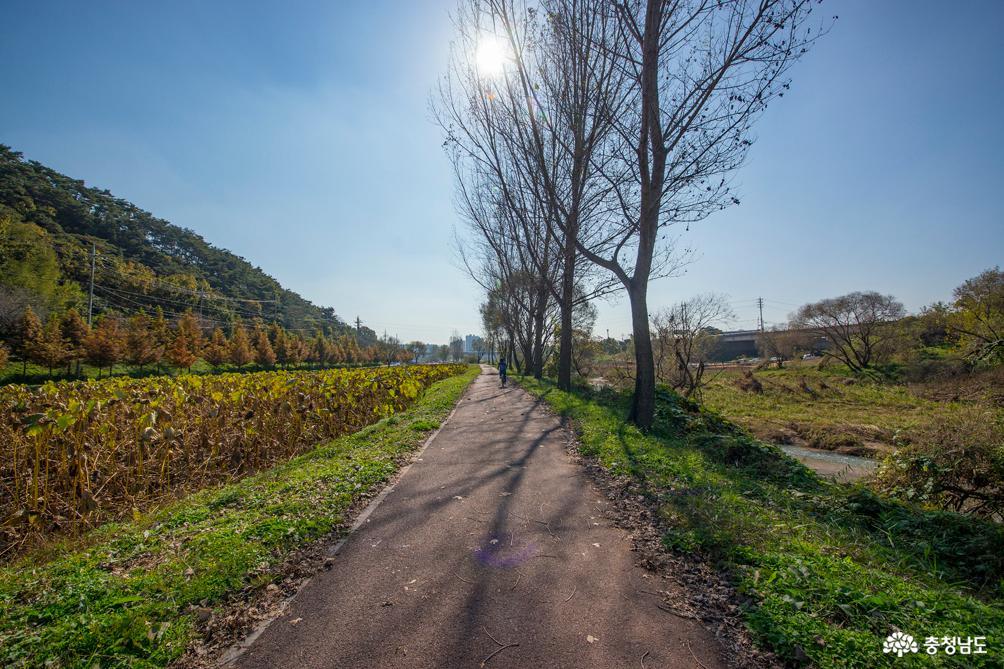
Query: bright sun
pixel 490 56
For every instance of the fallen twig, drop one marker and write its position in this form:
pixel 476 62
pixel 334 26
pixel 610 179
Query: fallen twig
pixel 643 659
pixel 499 650
pixel 462 578
pixel 519 575
pixel 574 588
pixel 497 642
pixel 687 644
pixel 678 614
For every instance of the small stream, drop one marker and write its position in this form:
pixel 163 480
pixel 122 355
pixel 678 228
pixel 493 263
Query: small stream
pixel 827 463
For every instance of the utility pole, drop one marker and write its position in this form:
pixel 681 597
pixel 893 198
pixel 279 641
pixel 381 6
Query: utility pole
pixel 359 326
pixel 759 302
pixel 90 297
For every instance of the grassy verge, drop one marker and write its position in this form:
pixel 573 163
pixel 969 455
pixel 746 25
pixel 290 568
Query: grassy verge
pixel 822 409
pixel 830 570
pixel 126 600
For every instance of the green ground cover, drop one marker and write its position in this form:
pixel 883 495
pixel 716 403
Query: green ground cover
pixel 822 409
pixel 123 596
pixel 831 569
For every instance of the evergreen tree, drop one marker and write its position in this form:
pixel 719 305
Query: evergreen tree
pixel 189 325
pixel 160 336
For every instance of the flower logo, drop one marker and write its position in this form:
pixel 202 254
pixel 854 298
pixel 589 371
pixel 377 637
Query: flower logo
pixel 899 643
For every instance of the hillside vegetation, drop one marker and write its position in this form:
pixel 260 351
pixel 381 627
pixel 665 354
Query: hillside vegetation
pixel 51 220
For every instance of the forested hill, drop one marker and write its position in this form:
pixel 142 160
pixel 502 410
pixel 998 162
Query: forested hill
pixel 142 261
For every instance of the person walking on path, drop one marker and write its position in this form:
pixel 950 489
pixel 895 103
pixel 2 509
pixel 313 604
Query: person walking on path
pixel 502 371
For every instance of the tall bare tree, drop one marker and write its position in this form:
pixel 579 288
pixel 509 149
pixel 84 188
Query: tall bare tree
pixel 616 120
pixel 858 326
pixel 534 131
pixel 685 338
pixel 698 74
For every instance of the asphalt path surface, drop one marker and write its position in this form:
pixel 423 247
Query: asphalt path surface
pixel 493 550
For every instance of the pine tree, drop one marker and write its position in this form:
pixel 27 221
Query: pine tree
pixel 280 345
pixel 160 336
pixel 106 344
pixel 29 332
pixel 217 351
pixel 75 331
pixel 193 333
pixel 264 355
pixel 141 347
pixel 319 350
pixel 240 349
pixel 296 350
pixel 48 350
pixel 180 351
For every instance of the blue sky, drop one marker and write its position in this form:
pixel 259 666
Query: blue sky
pixel 297 134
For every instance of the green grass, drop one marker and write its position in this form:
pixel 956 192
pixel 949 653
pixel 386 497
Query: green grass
pixel 124 599
pixel 826 412
pixel 830 570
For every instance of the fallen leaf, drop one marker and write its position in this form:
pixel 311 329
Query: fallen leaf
pixel 295 621
pixel 597 545
pixel 591 639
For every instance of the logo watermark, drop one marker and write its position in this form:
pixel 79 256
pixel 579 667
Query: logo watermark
pixel 901 644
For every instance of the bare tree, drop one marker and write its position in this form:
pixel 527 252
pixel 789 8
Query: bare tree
pixel 456 347
pixel 858 326
pixel 417 349
pixel 526 139
pixel 685 337
pixel 610 122
pixel 698 74
pixel 780 343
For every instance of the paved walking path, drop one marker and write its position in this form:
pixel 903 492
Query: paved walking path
pixel 495 537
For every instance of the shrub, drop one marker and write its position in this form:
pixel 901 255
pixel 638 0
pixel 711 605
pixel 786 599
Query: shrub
pixel 955 462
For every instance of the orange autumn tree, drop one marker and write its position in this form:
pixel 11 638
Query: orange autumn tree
pixel 105 345
pixel 217 351
pixel 240 348
pixel 263 352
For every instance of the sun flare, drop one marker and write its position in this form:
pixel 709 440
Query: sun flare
pixel 490 55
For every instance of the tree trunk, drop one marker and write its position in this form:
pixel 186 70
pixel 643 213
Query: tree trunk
pixel 567 297
pixel 643 403
pixel 538 332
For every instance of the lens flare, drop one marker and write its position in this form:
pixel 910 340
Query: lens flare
pixel 490 56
